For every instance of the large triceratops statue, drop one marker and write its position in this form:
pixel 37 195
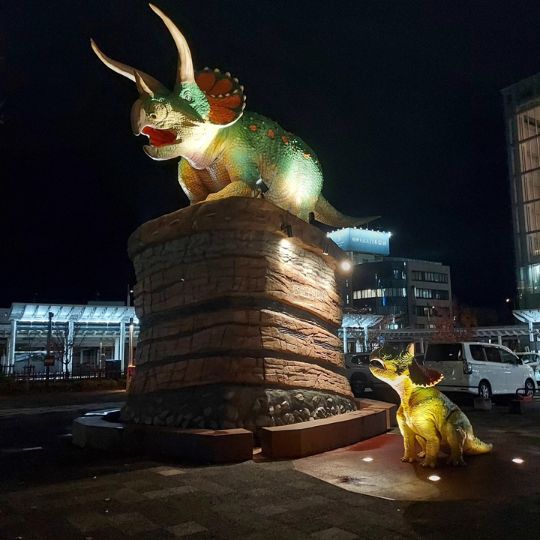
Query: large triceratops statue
pixel 225 151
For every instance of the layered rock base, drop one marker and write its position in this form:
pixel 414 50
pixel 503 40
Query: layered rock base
pixel 226 407
pixel 238 319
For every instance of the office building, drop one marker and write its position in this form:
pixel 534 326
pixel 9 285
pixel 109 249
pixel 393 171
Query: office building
pixel 407 293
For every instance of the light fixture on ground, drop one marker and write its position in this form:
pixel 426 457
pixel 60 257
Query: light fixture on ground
pixel 518 460
pixel 346 265
pixel 434 478
pixel 367 459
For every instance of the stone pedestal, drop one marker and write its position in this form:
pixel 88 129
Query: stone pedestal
pixel 238 319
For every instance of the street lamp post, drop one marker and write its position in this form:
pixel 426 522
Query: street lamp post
pixel 131 366
pixel 49 353
pixel 130 342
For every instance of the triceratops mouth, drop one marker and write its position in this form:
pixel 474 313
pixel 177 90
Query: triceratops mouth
pixel 159 137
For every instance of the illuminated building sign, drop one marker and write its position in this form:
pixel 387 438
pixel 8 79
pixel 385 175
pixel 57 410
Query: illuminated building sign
pixel 362 240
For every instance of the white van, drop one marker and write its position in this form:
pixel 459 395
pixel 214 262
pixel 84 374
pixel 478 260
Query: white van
pixel 484 369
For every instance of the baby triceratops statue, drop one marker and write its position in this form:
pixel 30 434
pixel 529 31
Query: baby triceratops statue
pixel 425 414
pixel 225 151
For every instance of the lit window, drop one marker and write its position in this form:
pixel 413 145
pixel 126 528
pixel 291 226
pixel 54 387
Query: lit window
pixel 528 123
pixel 530 183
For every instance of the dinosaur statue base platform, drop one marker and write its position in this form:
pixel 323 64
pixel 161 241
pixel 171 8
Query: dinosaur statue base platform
pixel 238 305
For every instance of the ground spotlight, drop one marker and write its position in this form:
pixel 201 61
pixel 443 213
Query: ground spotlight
pixel 367 459
pixel 346 265
pixel 434 478
pixel 518 460
pixel 285 243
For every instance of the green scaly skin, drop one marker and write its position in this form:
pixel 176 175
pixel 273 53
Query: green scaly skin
pixel 219 162
pixel 224 154
pixel 426 416
pixel 244 152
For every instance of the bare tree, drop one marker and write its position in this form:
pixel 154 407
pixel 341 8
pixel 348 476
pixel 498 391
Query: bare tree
pixel 446 328
pixel 63 344
pixel 379 332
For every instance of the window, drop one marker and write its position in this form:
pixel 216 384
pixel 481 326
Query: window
pixel 532 216
pixel 529 278
pixel 443 352
pixel 507 358
pixel 492 354
pixel 528 358
pixel 477 352
pixel 436 277
pixel 530 186
pixel 436 294
pixel 529 154
pixel 400 292
pixel 431 311
pixel 533 244
pixel 528 123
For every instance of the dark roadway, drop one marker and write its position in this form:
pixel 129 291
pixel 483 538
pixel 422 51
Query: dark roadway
pixel 36 448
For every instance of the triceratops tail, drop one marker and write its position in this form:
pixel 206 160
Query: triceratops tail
pixel 474 446
pixel 327 214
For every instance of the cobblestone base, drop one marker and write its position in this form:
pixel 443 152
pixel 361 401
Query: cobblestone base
pixel 227 406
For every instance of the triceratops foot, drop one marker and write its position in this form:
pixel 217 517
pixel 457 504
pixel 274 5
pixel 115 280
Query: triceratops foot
pixel 429 463
pixel 408 459
pixel 421 455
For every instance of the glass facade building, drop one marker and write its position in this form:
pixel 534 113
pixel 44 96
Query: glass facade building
pixel 522 120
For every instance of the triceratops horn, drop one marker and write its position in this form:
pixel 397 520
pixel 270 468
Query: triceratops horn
pixel 185 71
pixel 127 71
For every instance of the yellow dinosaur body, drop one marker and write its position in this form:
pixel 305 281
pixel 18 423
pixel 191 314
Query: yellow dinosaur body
pixel 426 415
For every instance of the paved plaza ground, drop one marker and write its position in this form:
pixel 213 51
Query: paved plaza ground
pixel 55 491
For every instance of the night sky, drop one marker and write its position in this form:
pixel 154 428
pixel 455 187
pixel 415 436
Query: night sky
pixel 400 100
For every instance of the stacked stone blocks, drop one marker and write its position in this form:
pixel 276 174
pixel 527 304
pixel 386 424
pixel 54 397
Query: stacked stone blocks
pixel 227 301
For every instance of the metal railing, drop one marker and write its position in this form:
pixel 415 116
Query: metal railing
pixel 32 375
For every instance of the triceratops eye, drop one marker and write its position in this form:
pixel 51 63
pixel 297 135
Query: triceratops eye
pixel 158 112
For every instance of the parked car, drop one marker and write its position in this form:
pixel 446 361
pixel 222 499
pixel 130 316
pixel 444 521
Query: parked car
pixel 359 375
pixel 483 369
pixel 532 359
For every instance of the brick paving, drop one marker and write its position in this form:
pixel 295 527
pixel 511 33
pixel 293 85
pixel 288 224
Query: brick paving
pixel 266 500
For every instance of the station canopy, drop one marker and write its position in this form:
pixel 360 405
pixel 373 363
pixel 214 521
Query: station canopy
pixel 62 313
pixel 360 320
pixel 527 315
